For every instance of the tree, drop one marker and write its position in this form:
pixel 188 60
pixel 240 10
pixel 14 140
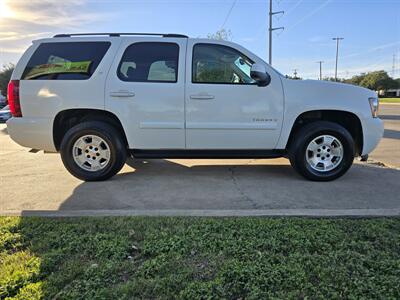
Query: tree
pixel 333 79
pixel 293 77
pixel 398 82
pixel 377 80
pixel 222 34
pixel 356 80
pixel 5 75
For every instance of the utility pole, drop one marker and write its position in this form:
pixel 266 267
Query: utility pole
pixel 271 13
pixel 394 65
pixel 320 69
pixel 295 73
pixel 337 39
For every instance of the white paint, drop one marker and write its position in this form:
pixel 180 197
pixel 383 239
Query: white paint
pixel 184 115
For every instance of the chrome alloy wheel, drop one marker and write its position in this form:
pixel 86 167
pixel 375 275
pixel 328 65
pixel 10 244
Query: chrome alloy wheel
pixel 91 153
pixel 324 153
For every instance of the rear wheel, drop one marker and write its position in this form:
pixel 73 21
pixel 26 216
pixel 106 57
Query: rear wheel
pixel 93 151
pixel 322 151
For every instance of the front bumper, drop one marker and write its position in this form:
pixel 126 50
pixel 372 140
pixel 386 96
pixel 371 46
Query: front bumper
pixel 33 133
pixel 372 133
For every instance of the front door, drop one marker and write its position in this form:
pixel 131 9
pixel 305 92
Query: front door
pixel 145 89
pixel 225 109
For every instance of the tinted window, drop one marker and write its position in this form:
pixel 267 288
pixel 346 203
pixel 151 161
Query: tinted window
pixel 220 64
pixel 150 62
pixel 70 60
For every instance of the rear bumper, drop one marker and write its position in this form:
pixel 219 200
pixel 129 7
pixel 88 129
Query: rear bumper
pixel 373 131
pixel 33 133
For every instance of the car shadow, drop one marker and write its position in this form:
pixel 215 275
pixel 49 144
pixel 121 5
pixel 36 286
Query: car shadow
pixel 390 117
pixel 237 185
pixel 391 134
pixel 165 184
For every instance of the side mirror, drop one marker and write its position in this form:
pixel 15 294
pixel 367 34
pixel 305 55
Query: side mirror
pixel 259 74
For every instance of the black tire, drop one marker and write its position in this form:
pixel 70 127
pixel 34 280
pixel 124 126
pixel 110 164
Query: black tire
pixel 297 150
pixel 118 150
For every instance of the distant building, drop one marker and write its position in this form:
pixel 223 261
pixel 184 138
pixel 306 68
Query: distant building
pixel 389 93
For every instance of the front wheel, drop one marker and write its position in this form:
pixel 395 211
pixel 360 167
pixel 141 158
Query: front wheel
pixel 322 151
pixel 93 151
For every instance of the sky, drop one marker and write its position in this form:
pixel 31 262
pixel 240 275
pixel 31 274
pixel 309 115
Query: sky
pixel 370 28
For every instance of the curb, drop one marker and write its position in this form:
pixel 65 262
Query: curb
pixel 388 103
pixel 395 212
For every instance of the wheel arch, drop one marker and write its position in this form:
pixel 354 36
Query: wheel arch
pixel 347 119
pixel 66 119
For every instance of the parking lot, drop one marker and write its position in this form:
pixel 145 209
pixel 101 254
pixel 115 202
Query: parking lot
pixel 38 184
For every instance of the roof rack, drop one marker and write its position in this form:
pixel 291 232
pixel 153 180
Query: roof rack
pixel 171 35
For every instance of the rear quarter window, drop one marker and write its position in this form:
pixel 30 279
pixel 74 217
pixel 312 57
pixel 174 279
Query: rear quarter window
pixel 65 61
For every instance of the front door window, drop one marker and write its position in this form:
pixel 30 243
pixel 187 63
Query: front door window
pixel 220 64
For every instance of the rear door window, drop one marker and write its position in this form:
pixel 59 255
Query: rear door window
pixel 67 60
pixel 150 62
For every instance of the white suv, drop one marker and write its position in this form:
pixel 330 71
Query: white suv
pixel 97 98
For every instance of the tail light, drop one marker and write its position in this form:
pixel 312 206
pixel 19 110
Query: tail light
pixel 13 98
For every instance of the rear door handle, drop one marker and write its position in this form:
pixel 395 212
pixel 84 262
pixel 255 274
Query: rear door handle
pixel 122 94
pixel 202 97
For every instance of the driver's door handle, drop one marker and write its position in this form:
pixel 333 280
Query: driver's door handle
pixel 202 97
pixel 122 94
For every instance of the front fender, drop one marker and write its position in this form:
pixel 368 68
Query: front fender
pixel 311 95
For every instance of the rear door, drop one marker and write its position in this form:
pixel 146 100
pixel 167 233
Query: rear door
pixel 145 89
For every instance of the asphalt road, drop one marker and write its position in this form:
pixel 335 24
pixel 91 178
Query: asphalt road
pixel 37 183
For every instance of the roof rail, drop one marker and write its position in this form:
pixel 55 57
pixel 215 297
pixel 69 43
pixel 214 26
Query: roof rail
pixel 172 35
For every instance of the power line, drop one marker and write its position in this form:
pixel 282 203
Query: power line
pixel 228 14
pixel 294 7
pixel 372 50
pixel 311 13
pixel 271 29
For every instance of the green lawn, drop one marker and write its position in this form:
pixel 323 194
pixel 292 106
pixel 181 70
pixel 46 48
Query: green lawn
pixel 193 258
pixel 389 100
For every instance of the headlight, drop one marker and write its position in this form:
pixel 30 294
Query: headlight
pixel 374 104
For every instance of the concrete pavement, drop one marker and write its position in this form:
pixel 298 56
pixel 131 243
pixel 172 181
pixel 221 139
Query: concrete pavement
pixel 38 184
pixel 388 151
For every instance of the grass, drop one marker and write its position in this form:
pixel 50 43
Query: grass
pixel 389 100
pixel 193 258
